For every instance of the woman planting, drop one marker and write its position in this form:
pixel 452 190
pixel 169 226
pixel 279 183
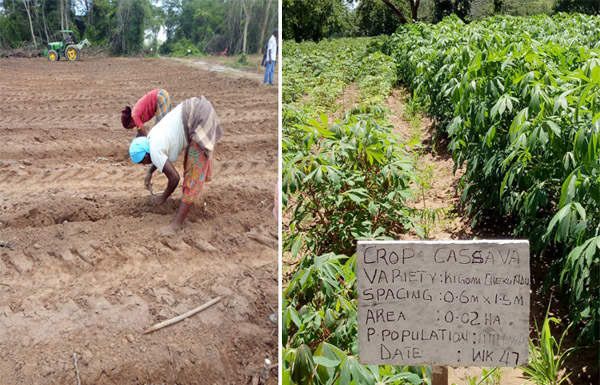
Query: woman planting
pixel 192 127
pixel 156 103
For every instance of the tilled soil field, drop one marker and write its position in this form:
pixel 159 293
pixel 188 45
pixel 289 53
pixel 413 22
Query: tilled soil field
pixel 82 270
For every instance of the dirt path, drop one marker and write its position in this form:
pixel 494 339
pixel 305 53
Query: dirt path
pixel 82 270
pixel 435 164
pixel 223 65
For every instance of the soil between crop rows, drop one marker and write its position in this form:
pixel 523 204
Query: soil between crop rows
pixel 81 267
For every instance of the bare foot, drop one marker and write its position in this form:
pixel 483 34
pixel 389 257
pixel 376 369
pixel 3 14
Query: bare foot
pixel 166 230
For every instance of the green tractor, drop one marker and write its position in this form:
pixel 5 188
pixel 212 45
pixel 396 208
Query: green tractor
pixel 65 48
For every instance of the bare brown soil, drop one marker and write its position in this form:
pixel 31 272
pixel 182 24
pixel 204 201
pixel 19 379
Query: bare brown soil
pixel 82 270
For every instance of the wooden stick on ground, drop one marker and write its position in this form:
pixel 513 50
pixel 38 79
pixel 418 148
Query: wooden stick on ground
pixel 183 316
pixel 76 368
pixel 7 245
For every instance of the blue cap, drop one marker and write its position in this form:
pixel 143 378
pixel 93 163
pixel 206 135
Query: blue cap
pixel 139 148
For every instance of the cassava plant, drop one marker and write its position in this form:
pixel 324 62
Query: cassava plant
pixel 519 99
pixel 342 180
pixel 346 181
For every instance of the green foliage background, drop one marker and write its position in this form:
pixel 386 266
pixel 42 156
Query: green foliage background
pixel 122 26
pixel 308 20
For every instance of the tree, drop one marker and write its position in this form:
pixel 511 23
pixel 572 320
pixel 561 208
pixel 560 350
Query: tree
pixel 156 22
pixel 264 25
pixel 210 32
pixel 172 10
pixel 313 20
pixel 498 6
pixel 399 11
pixel 246 22
pixel 590 7
pixel 396 11
pixel 214 25
pixel 525 8
pixel 43 6
pixel 64 14
pixel 26 5
pixel 414 8
pixel 374 18
pixel 132 17
pixel 460 8
pixel 104 27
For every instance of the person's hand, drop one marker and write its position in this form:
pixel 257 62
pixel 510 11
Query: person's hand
pixel 148 179
pixel 269 61
pixel 158 200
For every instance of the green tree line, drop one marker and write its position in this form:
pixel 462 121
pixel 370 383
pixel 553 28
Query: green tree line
pixel 306 20
pixel 125 27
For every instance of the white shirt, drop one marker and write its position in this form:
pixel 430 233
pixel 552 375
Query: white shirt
pixel 272 49
pixel 167 139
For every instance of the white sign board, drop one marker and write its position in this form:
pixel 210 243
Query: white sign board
pixel 456 303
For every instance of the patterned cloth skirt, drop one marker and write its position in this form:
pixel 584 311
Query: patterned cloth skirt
pixel 198 170
pixel 163 104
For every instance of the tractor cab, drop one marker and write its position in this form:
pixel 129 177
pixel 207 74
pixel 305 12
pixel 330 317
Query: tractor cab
pixel 68 36
pixel 65 48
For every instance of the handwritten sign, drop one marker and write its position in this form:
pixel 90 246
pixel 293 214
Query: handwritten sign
pixel 457 303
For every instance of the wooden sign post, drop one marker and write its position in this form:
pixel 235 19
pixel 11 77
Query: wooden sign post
pixel 439 375
pixel 443 303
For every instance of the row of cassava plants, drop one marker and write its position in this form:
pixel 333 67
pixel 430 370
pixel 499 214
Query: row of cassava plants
pixel 519 99
pixel 342 180
pixel 316 74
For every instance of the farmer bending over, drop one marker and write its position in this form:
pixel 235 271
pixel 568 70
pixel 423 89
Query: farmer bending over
pixel 192 128
pixel 156 103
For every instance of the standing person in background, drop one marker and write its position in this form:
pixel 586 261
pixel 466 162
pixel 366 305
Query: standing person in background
pixel 156 103
pixel 271 58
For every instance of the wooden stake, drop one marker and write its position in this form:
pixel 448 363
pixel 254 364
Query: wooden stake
pixel 440 375
pixel 181 317
pixel 76 368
